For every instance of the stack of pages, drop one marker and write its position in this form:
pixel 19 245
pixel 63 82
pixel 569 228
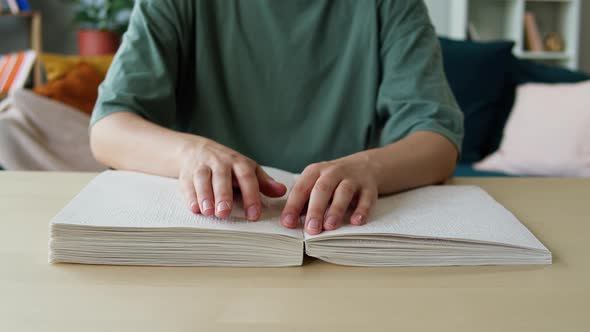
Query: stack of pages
pixel 128 218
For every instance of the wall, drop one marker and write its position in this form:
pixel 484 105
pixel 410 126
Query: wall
pixel 59 34
pixel 585 37
pixel 438 13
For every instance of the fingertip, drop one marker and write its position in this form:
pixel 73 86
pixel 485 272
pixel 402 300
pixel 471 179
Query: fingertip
pixel 289 221
pixel 194 207
pixel 280 188
pixel 223 210
pixel 331 223
pixel 269 186
pixel 313 232
pixel 313 226
pixel 274 189
pixel 253 213
pixel 358 219
pixel 287 225
pixel 207 207
pixel 222 215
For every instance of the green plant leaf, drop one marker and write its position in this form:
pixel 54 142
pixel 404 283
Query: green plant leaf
pixel 110 15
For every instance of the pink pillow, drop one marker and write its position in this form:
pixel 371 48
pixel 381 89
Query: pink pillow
pixel 547 134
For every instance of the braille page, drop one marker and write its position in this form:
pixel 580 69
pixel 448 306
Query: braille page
pixel 465 213
pixel 129 199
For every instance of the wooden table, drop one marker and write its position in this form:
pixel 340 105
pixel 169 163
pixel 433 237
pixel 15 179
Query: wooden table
pixel 37 296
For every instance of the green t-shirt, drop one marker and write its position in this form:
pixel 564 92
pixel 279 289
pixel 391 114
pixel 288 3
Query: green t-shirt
pixel 287 83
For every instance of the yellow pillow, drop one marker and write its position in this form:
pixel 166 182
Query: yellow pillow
pixel 56 66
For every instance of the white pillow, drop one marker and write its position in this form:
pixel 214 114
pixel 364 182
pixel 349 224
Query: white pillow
pixel 547 133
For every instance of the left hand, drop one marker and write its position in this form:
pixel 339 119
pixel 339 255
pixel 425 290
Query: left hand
pixel 330 188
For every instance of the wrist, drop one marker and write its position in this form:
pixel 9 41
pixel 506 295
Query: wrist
pixel 375 166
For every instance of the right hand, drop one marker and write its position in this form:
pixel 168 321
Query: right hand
pixel 209 173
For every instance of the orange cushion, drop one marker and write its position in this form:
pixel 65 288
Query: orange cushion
pixel 56 65
pixel 78 88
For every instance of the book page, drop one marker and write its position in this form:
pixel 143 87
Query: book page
pixel 136 200
pixel 464 213
pixel 284 177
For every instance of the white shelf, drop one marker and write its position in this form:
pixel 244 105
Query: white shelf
pixel 550 0
pixel 559 56
pixel 504 20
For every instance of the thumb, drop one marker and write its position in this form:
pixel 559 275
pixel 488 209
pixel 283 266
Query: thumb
pixel 268 186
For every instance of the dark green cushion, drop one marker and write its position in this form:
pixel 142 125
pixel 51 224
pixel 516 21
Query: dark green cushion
pixel 527 71
pixel 477 73
pixel 466 170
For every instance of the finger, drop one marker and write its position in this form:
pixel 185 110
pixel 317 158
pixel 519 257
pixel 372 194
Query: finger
pixel 268 185
pixel 366 201
pixel 222 190
pixel 188 191
pixel 202 184
pixel 248 183
pixel 297 198
pixel 320 196
pixel 343 196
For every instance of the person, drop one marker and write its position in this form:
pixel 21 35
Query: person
pixel 350 93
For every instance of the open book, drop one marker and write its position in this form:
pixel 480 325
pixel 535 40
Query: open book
pixel 137 219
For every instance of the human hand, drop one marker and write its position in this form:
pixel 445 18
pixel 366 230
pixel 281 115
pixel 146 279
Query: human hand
pixel 209 174
pixel 330 188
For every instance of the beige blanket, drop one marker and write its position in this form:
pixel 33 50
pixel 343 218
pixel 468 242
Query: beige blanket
pixel 37 133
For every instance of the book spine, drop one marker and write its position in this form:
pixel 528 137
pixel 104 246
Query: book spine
pixel 5 64
pixel 15 69
pixel 533 36
pixel 24 5
pixel 20 58
pixel 24 70
pixel 13 5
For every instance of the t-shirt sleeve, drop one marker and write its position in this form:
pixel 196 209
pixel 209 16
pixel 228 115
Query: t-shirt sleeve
pixel 142 78
pixel 414 94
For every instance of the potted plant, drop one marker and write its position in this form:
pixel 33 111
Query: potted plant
pixel 101 24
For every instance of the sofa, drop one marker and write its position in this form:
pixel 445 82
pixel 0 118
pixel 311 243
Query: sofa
pixel 38 133
pixel 484 77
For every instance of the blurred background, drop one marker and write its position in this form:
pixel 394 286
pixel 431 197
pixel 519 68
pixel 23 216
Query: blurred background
pixel 60 32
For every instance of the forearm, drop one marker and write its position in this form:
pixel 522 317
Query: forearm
pixel 422 158
pixel 126 141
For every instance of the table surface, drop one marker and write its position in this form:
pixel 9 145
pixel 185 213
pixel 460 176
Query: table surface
pixel 37 296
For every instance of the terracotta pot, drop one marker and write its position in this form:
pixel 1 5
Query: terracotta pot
pixel 98 42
